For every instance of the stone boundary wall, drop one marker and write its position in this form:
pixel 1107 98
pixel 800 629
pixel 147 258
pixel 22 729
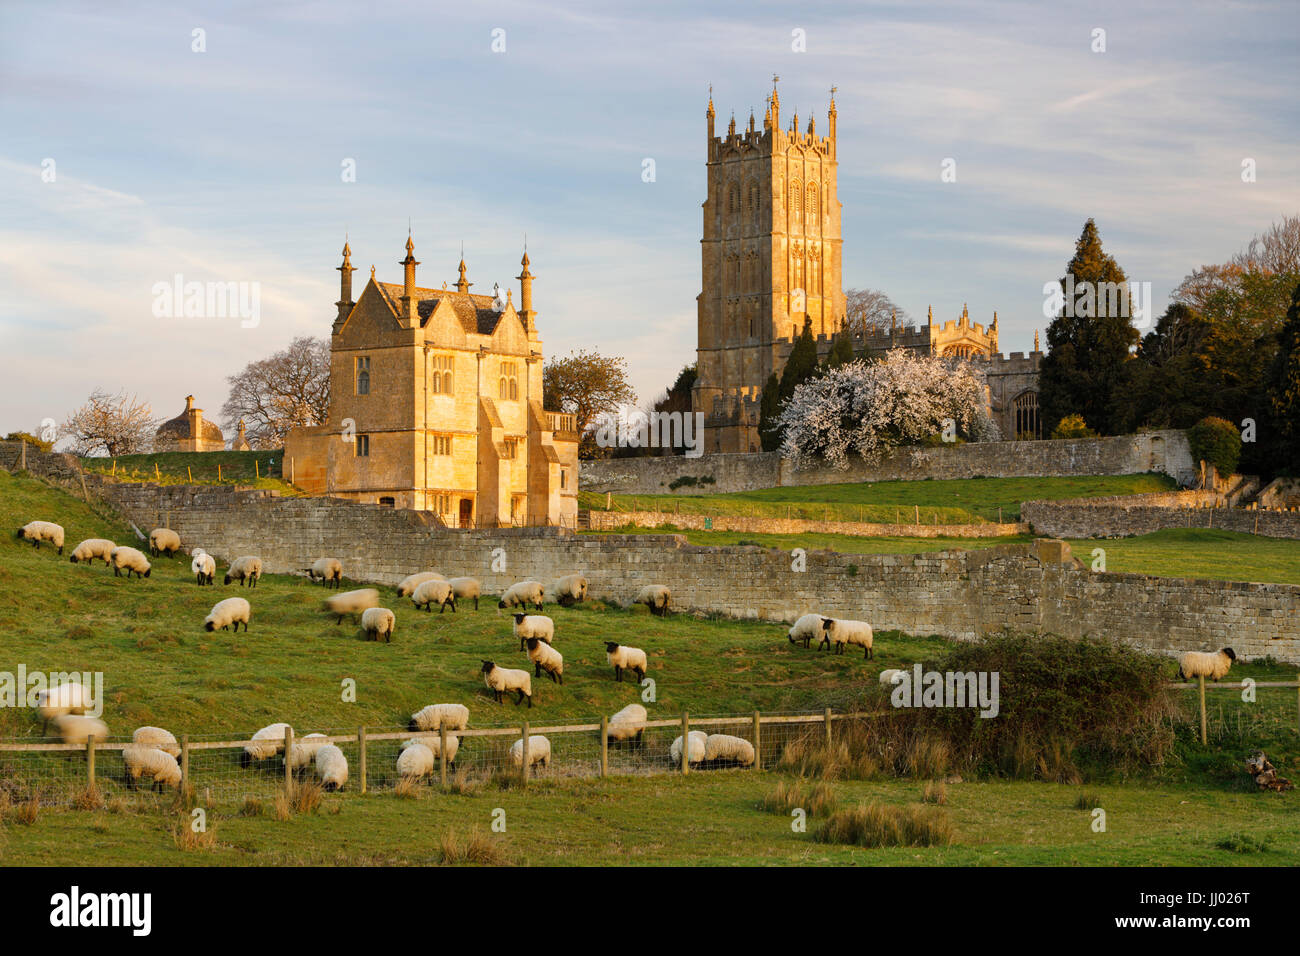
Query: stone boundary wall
pixel 612 520
pixel 1125 516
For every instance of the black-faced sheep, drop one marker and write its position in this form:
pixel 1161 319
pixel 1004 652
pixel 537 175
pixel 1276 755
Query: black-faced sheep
pixel 246 569
pixel 413 581
pixel 158 739
pixel 329 571
pixel 805 629
pixel 533 625
pixel 38 531
pixel 840 633
pixel 232 611
pixel 656 597
pixel 455 716
pixel 539 751
pixel 625 658
pixel 431 592
pixel 351 602
pixel 546 658
pixel 522 594
pixel 331 767
pixel 1211 664
pixel 504 680
pixel 164 541
pixel 133 561
pixel 569 590
pixel 264 744
pixel 627 724
pixel 378 624
pixel 204 567
pixel 93 548
pixel 466 588
pixel 695 749
pixel 157 765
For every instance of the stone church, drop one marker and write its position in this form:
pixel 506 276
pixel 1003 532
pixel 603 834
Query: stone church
pixel 436 405
pixel 772 264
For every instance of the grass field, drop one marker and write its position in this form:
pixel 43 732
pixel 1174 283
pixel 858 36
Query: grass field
pixel 161 668
pixel 255 469
pixel 969 500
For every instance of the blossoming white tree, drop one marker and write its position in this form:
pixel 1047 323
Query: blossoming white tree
pixel 862 407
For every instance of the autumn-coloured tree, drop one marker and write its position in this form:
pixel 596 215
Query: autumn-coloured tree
pixel 289 389
pixel 110 425
pixel 587 384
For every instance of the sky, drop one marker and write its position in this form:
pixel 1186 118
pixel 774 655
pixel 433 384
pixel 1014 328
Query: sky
pixel 129 157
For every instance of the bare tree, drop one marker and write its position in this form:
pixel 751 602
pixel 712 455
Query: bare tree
pixel 870 310
pixel 286 390
pixel 110 425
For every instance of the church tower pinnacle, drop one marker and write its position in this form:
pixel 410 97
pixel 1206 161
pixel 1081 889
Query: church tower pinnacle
pixel 408 264
pixel 526 313
pixel 345 302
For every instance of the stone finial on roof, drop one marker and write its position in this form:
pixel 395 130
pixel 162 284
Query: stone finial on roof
pixel 1035 340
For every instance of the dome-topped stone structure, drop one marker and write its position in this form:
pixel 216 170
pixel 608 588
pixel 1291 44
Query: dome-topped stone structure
pixel 188 431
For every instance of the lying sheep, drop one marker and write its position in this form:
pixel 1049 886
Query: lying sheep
pixel 890 677
pixel 656 597
pixel 522 594
pixel 724 748
pixel 164 541
pixel 1212 664
pixel 76 728
pixel 378 624
pixel 38 531
pixel 158 739
pixel 351 602
pixel 546 658
pixel 328 570
pixel 331 767
pixel 805 629
pixel 93 548
pixel 840 633
pixel 625 658
pixel 248 568
pixel 413 581
pixel 130 559
pixel 503 680
pixel 533 625
pixel 264 744
pixel 466 588
pixel 695 750
pixel 204 567
pixel 539 751
pixel 434 591
pixel 455 716
pixel 569 590
pixel 627 724
pixel 303 752
pixel 234 611
pixel 156 765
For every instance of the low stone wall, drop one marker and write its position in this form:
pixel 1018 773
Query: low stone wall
pixel 1160 451
pixel 1125 516
pixel 612 520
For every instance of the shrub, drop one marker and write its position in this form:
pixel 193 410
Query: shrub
pixel 816 800
pixel 1073 426
pixel 1216 441
pixel 1243 843
pixel 879 825
pixel 683 481
pixel 30 439
pixel 477 848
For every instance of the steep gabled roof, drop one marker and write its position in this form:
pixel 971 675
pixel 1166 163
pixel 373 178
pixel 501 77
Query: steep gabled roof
pixel 474 311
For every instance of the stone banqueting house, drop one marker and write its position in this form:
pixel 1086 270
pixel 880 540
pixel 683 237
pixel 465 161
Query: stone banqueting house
pixel 771 263
pixel 436 405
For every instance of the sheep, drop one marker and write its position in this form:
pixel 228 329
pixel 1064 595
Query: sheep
pixel 433 744
pixel 533 625
pixel 351 602
pixel 656 597
pixel 416 760
pixel 248 568
pixel 569 590
pixel 466 588
pixel 805 629
pixel 329 570
pixel 378 623
pixel 204 567
pixel 164 541
pixel 157 765
pixel 841 632
pixel 234 611
pixel 93 548
pixel 889 678
pixel 75 728
pixel 1212 664
pixel 332 767
pixel 503 680
pixel 724 748
pixel 413 581
pixel 53 702
pixel 539 751
pixel 455 716
pixel 434 591
pixel 264 744
pixel 131 559
pixel 158 739
pixel 522 594
pixel 546 658
pixel 38 531
pixel 625 658
pixel 695 750
pixel 303 751
pixel 627 724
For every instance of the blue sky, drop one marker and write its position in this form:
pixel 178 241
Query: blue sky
pixel 225 165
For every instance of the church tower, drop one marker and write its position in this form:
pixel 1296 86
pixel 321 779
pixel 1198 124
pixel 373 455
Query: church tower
pixel 770 263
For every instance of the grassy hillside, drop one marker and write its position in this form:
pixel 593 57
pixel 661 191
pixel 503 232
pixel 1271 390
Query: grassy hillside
pixel 957 501
pixel 257 469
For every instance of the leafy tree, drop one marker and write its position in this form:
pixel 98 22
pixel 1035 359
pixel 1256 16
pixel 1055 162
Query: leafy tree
pixel 111 425
pixel 678 396
pixel 587 384
pixel 1164 384
pixel 1284 391
pixel 802 363
pixel 1072 426
pixel 769 406
pixel 288 389
pixel 841 350
pixel 1218 442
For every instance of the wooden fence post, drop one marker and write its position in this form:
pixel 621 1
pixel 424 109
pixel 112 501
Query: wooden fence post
pixel 758 742
pixel 686 743
pixel 257 469
pixel 828 730
pixel 526 755
pixel 288 768
pixel 361 755
pixel 218 472
pixel 22 454
pixel 156 473
pixel 185 762
pixel 442 751
pixel 190 472
pixel 90 762
pixel 1204 738
pixel 604 746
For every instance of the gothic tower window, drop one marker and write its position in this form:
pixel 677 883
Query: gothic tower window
pixel 1025 410
pixel 796 205
pixel 813 218
pixel 363 374
pixel 508 384
pixel 440 378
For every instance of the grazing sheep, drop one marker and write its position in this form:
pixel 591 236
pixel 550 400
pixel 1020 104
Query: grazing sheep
pixel 164 541
pixel 533 625
pixel 158 739
pixel 805 629
pixel 248 568
pixel 656 597
pixel 204 567
pixel 329 570
pixel 303 751
pixel 93 548
pixel 724 748
pixel 840 633
pixel 378 623
pixel 503 680
pixel 75 728
pixel 351 602
pixel 546 658
pixel 38 531
pixel 695 751
pixel 157 765
pixel 1212 664
pixel 416 760
pixel 890 677
pixel 466 588
pixel 455 716
pixel 413 581
pixel 625 658
pixel 433 744
pixel 234 611
pixel 522 594
pixel 539 751
pixel 434 591
pixel 331 767
pixel 70 698
pixel 628 723
pixel 132 560
pixel 569 590
pixel 264 744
